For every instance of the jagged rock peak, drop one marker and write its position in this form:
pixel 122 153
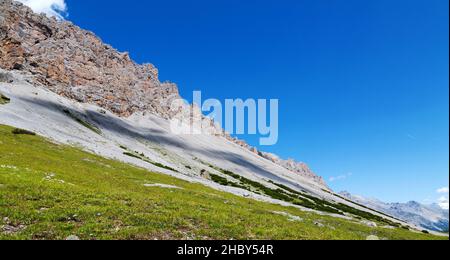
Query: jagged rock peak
pixel 77 64
pixel 299 168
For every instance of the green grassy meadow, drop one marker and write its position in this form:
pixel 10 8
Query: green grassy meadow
pixel 51 191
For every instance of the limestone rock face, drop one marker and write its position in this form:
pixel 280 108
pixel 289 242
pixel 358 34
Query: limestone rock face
pixel 75 63
pixel 295 167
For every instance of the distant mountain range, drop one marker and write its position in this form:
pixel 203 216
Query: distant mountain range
pixel 431 217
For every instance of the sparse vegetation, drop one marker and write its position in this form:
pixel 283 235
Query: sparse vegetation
pixel 4 99
pixel 225 182
pixel 283 193
pixel 163 166
pixel 50 191
pixel 141 156
pixel 324 205
pixel 18 131
pixel 220 180
pixel 287 194
pixel 82 121
pixel 132 155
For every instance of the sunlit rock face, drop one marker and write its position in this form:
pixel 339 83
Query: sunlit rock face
pixel 77 64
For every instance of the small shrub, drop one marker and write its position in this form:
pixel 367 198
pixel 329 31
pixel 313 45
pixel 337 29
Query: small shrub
pixel 4 99
pixel 162 166
pixel 132 155
pixel 425 232
pixel 220 180
pixel 18 131
pixel 225 182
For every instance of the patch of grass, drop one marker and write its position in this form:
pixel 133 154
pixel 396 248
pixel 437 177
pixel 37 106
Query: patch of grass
pixel 82 122
pixel 141 156
pixel 18 131
pixel 4 99
pixel 225 182
pixel 53 191
pixel 132 155
pixel 163 166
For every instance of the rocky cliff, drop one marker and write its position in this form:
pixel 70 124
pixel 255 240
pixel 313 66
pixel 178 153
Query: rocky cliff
pixel 75 63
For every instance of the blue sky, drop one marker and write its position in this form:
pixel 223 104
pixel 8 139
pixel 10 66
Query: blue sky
pixel 363 85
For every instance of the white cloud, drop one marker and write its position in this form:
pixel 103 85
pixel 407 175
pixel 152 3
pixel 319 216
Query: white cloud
pixel 442 190
pixel 56 8
pixel 341 177
pixel 443 203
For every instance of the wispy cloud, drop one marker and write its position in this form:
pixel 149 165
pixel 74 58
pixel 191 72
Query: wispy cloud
pixel 443 202
pixel 52 8
pixel 341 177
pixel 442 190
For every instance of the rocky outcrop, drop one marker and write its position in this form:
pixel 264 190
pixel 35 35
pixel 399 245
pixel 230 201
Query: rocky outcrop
pixel 295 167
pixel 75 63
